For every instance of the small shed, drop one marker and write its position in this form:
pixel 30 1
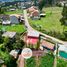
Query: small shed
pixel 12 9
pixel 14 53
pixel 9 34
pixel 5 19
pixel 33 12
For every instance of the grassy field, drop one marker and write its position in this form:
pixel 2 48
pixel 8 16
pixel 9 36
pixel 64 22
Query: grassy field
pixel 51 24
pixel 17 11
pixel 61 63
pixel 51 21
pixel 44 61
pixel 17 28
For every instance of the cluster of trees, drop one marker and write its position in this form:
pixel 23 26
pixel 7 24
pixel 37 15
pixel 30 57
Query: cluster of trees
pixel 9 61
pixel 42 3
pixel 64 20
pixel 9 44
pixel 64 15
pixel 6 45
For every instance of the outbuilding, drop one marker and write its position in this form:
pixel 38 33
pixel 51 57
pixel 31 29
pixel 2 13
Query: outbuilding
pixel 9 34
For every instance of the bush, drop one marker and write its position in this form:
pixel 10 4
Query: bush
pixel 61 63
pixel 47 61
pixel 30 62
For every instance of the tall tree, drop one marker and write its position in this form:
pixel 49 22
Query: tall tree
pixel 41 4
pixel 64 19
pixel 64 14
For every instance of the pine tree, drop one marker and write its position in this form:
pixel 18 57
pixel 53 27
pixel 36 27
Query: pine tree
pixel 64 14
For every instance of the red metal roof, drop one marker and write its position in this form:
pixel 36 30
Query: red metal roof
pixel 32 40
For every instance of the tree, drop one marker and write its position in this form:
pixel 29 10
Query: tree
pixel 64 18
pixel 9 61
pixel 2 10
pixel 50 2
pixel 18 44
pixel 41 4
pixel 1 38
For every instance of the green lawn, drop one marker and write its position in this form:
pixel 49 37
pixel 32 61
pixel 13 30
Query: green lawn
pixel 17 11
pixel 30 62
pixel 51 21
pixel 17 28
pixel 61 63
pixel 47 61
pixel 44 61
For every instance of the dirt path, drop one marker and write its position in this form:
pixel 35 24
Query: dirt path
pixel 20 61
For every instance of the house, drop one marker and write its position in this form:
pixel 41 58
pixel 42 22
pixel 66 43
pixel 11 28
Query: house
pixel 32 37
pixel 16 18
pixel 5 19
pixel 33 12
pixel 9 34
pixel 12 19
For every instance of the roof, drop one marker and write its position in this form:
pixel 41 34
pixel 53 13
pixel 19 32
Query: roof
pixel 1 61
pixel 38 53
pixel 13 9
pixel 32 40
pixel 47 45
pixel 9 34
pixel 33 34
pixel 14 53
pixel 4 17
pixel 17 15
pixel 63 48
pixel 31 9
pixel 6 22
pixel 35 13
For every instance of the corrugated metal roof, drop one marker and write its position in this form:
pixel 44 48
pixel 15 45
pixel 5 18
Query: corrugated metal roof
pixel 33 34
pixel 9 34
